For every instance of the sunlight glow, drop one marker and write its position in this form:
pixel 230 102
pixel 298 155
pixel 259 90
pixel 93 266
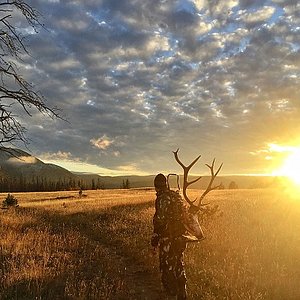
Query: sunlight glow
pixel 291 167
pixel 82 167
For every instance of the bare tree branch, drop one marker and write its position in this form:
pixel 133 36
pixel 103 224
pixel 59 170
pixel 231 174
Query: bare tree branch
pixel 14 89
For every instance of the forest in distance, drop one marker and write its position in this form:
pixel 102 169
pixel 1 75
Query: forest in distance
pixel 96 182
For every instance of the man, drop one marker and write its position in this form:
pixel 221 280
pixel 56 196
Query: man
pixel 169 236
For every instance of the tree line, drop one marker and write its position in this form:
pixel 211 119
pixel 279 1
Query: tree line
pixel 43 184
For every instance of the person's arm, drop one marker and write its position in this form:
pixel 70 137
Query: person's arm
pixel 159 220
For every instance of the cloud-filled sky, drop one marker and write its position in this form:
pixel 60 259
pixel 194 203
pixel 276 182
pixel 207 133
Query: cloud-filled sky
pixel 139 79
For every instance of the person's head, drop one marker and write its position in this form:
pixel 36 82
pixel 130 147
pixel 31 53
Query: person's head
pixel 160 182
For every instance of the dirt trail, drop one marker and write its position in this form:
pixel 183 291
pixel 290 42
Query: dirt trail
pixel 142 283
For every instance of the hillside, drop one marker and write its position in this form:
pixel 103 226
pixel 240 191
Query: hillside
pixel 20 171
pixel 16 163
pixel 19 168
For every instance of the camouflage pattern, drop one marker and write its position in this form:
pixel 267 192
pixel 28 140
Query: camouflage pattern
pixel 168 226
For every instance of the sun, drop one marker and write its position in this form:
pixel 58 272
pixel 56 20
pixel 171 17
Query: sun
pixel 291 167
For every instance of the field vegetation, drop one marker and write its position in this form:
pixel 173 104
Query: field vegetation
pixel 59 246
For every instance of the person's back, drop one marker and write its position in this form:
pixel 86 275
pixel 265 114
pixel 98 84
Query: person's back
pixel 169 234
pixel 168 218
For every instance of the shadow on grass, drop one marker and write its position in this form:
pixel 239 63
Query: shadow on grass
pixel 94 273
pixel 29 289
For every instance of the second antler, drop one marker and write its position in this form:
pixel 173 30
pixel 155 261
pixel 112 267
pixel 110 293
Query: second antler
pixel 186 183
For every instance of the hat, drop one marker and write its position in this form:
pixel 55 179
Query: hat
pixel 160 181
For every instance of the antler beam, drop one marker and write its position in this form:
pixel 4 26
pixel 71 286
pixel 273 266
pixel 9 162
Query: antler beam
pixel 186 170
pixel 213 176
pixel 187 183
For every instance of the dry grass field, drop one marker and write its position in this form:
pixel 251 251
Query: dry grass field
pixel 97 247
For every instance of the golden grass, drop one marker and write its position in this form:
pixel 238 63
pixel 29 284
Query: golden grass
pixel 97 247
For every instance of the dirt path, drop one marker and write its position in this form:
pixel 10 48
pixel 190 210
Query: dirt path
pixel 142 282
pixel 141 278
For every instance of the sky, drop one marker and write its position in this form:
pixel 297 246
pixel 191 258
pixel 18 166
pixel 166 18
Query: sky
pixel 138 79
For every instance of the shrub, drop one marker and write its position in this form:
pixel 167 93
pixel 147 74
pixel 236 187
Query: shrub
pixel 10 200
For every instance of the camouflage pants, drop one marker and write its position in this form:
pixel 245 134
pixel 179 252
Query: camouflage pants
pixel 172 266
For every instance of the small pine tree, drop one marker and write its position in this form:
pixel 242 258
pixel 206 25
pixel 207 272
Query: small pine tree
pixel 10 200
pixel 127 184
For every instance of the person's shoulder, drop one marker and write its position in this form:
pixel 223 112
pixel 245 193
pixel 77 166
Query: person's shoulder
pixel 175 195
pixel 170 194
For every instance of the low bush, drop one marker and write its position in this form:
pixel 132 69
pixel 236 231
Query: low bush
pixel 9 201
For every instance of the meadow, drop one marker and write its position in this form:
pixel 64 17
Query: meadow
pixel 97 246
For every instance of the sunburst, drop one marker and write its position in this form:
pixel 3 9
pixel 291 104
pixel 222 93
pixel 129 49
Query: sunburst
pixel 291 167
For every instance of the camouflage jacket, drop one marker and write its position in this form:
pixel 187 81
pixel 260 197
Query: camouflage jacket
pixel 168 217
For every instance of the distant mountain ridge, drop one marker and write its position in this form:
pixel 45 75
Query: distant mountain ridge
pixel 16 162
pixel 18 166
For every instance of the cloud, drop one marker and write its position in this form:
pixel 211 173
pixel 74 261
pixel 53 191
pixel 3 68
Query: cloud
pixel 129 169
pixel 22 160
pixel 138 80
pixel 57 156
pixel 102 143
pixel 260 15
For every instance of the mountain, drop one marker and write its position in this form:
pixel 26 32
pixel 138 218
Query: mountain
pixel 20 171
pixel 16 163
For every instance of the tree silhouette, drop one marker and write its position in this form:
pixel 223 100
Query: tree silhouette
pixel 15 91
pixel 126 184
pixel 233 185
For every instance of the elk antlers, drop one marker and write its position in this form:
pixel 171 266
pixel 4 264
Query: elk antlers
pixel 186 183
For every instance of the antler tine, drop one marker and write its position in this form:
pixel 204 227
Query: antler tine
pixel 213 176
pixel 177 158
pixel 186 183
pixel 221 165
pixel 186 170
pixel 182 165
